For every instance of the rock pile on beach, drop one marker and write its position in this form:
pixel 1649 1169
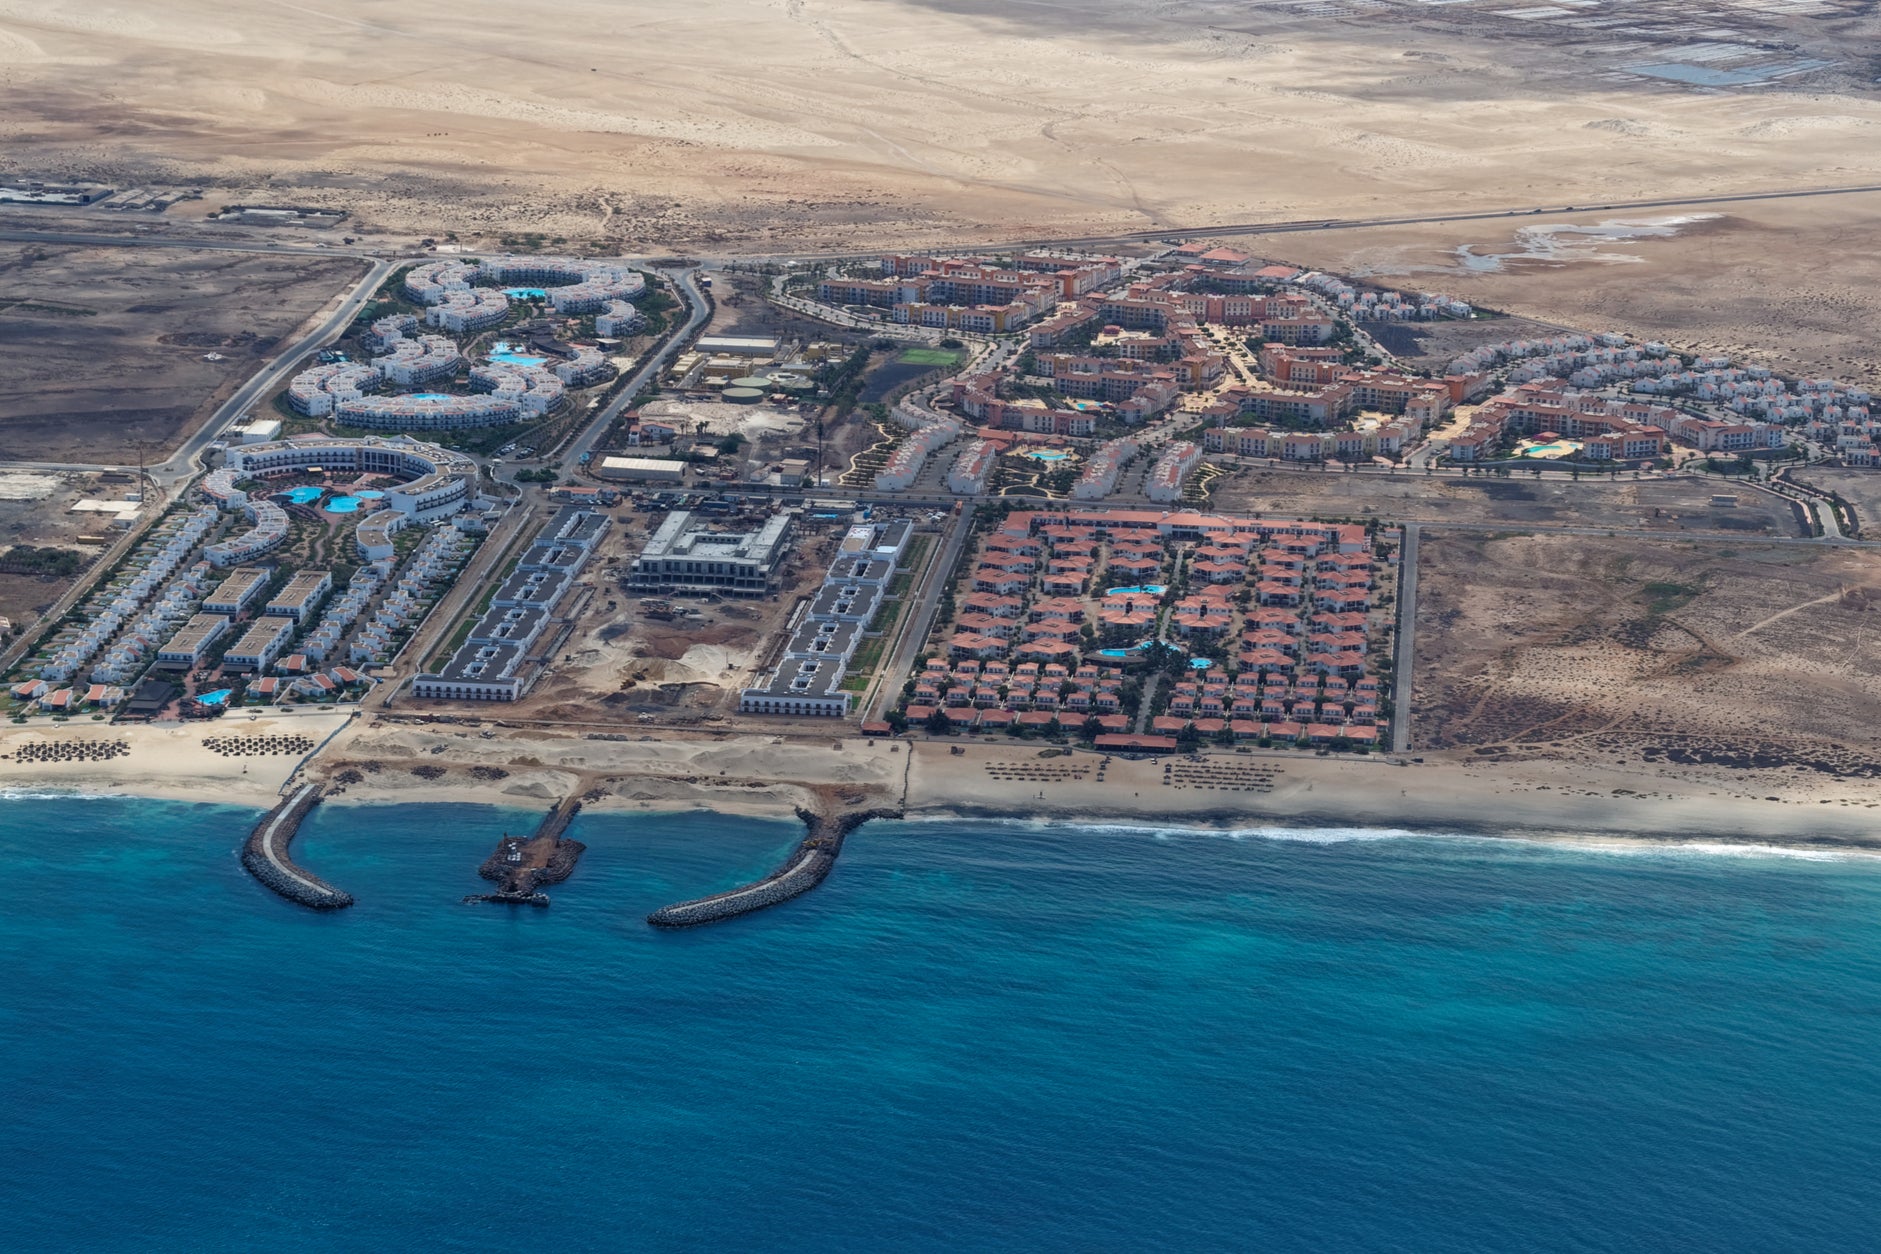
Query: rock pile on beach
pixel 70 751
pixel 258 746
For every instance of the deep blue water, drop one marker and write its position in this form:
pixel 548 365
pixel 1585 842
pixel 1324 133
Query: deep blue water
pixel 972 1037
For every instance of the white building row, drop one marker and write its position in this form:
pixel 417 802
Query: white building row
pixel 1177 463
pixel 1104 468
pixel 904 464
pixel 108 611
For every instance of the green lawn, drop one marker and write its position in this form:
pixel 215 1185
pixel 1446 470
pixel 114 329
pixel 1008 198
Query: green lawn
pixel 929 356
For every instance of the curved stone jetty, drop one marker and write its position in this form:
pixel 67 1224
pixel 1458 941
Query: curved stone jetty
pixel 806 867
pixel 265 855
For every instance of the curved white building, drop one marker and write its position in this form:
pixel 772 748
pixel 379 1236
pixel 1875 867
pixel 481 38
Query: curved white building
pixel 586 367
pixel 619 318
pixel 320 390
pixel 572 285
pixel 436 483
pixel 410 363
pixel 533 390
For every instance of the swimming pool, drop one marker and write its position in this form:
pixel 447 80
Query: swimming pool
pixel 1556 448
pixel 1201 663
pixel 306 494
pixel 512 354
pixel 525 293
pixel 1148 589
pixel 1138 647
pixel 343 504
pixel 431 396
pixel 369 494
pixel 1046 454
pixel 219 697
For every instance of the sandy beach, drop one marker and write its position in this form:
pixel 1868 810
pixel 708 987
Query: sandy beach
pixel 766 775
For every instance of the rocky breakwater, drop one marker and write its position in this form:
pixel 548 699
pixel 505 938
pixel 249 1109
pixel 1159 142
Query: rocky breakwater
pixel 519 868
pixel 806 867
pixel 266 855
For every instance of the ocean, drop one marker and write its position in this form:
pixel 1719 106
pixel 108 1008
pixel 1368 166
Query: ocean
pixel 974 1036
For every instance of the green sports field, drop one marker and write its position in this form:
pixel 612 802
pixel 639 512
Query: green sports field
pixel 929 356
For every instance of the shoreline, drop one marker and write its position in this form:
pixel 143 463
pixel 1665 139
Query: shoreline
pixel 772 776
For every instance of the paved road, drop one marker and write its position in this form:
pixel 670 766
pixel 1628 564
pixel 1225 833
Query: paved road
pixel 1407 642
pixel 918 622
pixel 699 311
pixel 89 239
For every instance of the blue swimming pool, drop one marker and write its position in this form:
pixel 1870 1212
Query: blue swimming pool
pixel 343 505
pixel 524 293
pixel 1138 647
pixel 431 396
pixel 306 494
pixel 1201 663
pixel 369 494
pixel 219 697
pixel 1046 454
pixel 1148 589
pixel 512 354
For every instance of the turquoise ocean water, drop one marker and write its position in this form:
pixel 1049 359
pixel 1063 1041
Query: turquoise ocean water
pixel 973 1037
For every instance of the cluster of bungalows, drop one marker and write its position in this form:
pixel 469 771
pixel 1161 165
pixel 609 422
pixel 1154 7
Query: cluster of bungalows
pixel 828 628
pixel 906 459
pixel 345 609
pixel 1300 652
pixel 1021 697
pixel 1308 707
pixel 55 700
pixel 304 681
pixel 1610 430
pixel 432 568
pixel 1585 360
pixel 1035 644
pixel 1380 304
pixel 497 660
pixel 156 589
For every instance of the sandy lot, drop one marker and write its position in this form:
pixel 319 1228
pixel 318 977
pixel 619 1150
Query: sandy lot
pixel 1668 505
pixel 106 347
pixel 1593 652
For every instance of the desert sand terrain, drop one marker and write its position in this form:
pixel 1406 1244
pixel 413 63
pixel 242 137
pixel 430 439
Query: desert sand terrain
pixel 845 121
pixel 803 125
pixel 1587 652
